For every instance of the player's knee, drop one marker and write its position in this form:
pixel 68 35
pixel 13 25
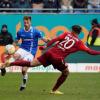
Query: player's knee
pixel 65 72
pixel 24 72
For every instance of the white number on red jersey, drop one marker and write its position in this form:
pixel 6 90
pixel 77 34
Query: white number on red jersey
pixel 65 44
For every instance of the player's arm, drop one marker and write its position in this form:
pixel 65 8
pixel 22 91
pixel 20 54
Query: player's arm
pixel 15 43
pixel 51 42
pixel 58 38
pixel 83 47
pixel 45 40
pixel 39 34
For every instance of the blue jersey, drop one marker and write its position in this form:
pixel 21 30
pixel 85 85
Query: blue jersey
pixel 29 39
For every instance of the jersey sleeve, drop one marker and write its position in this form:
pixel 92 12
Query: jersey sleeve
pixel 18 36
pixel 59 38
pixel 83 47
pixel 39 34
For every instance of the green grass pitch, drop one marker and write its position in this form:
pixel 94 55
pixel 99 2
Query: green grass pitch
pixel 78 86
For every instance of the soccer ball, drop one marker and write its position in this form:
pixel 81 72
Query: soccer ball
pixel 10 49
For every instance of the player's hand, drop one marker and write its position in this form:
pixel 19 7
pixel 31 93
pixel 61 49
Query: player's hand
pixel 48 40
pixel 42 47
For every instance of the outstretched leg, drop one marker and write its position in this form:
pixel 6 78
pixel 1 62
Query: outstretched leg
pixel 22 63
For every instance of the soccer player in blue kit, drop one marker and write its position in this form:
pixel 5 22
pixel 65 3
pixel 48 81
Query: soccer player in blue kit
pixel 27 51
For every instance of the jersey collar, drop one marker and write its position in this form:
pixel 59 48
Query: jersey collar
pixel 28 30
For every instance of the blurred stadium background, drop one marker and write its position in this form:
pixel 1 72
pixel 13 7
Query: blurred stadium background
pixel 53 17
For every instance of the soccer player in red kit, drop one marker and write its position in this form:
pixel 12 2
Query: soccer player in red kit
pixel 65 44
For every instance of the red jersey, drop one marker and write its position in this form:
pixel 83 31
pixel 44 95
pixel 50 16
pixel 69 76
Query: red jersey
pixel 68 43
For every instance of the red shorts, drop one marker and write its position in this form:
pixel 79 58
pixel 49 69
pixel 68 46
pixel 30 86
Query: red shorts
pixel 49 58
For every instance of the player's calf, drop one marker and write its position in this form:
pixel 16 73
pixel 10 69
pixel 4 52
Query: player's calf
pixel 24 79
pixel 61 79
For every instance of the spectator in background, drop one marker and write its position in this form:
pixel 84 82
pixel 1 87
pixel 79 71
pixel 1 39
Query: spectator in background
pixel 52 4
pixel 5 39
pixel 79 6
pixel 37 5
pixel 5 4
pixel 94 6
pixel 22 4
pixel 5 36
pixel 66 6
pixel 94 34
pixel 25 4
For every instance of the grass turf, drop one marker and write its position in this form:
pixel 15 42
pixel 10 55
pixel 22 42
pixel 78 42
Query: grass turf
pixel 78 86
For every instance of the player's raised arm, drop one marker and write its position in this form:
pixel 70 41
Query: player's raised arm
pixel 83 47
